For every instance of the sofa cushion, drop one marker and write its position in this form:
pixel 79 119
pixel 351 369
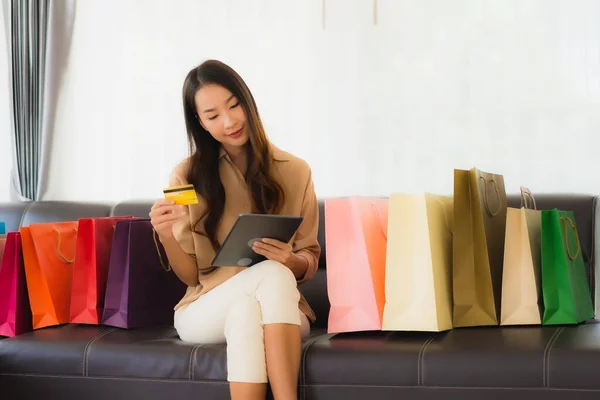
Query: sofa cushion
pixel 57 211
pixel 315 292
pixel 57 350
pixel 487 357
pixel 11 214
pixel 157 353
pixel 87 350
pixel 574 361
pixel 527 358
pixel 321 234
pixel 139 209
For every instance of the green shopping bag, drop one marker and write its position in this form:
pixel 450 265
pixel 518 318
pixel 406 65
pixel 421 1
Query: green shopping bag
pixel 565 286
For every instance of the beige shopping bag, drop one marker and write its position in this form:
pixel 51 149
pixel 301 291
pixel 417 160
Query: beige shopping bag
pixel 418 283
pixel 522 302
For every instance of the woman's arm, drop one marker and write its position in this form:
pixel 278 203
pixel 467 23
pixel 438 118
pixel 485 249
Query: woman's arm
pixel 298 264
pixel 172 223
pixel 183 264
pixel 301 257
pixel 306 246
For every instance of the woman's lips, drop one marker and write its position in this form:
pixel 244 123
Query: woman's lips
pixel 236 134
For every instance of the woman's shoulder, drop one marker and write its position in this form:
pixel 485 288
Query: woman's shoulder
pixel 180 172
pixel 290 165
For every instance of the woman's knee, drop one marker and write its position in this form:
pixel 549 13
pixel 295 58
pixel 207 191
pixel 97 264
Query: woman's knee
pixel 275 272
pixel 275 283
pixel 245 312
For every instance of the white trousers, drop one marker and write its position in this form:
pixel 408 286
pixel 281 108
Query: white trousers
pixel 236 311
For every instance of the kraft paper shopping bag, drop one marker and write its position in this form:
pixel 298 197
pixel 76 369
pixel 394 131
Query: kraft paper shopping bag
pixel 522 302
pixel 478 247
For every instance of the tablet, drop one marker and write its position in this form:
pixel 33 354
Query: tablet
pixel 248 228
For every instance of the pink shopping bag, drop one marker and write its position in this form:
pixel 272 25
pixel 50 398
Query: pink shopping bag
pixel 15 313
pixel 356 237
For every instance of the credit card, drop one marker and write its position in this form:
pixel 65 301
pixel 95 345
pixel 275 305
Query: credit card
pixel 182 195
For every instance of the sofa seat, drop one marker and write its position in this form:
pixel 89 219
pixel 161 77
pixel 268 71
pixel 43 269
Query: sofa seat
pixel 464 362
pixel 142 357
pixel 552 359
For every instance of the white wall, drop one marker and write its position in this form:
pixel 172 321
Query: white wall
pixel 509 86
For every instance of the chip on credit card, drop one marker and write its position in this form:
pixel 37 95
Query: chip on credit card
pixel 182 195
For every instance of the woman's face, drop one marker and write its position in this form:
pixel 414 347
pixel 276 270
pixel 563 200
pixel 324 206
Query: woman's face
pixel 222 115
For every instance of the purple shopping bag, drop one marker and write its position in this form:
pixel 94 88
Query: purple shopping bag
pixel 141 288
pixel 15 312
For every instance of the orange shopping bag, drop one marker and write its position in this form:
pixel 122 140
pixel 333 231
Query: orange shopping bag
pixel 49 252
pixel 355 233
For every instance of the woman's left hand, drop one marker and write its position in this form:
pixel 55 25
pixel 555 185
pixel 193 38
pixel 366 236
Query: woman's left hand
pixel 274 250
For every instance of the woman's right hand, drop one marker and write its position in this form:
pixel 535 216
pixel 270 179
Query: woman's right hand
pixel 163 214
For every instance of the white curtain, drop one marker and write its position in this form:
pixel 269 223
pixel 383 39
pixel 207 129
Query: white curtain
pixel 38 36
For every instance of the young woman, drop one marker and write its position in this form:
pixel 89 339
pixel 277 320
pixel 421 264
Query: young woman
pixel 258 311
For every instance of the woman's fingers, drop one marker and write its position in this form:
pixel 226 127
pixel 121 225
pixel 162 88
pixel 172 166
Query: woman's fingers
pixel 275 243
pixel 167 210
pixel 266 246
pixel 160 219
pixel 162 203
pixel 268 254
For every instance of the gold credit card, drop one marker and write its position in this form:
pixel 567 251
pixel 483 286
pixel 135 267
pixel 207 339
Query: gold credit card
pixel 182 195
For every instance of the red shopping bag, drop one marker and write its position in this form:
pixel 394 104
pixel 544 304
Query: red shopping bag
pixel 15 314
pixel 90 269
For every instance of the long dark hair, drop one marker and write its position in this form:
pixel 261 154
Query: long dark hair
pixel 203 173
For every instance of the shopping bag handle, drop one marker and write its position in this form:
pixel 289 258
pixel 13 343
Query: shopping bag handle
pixel 527 199
pixel 167 267
pixel 60 254
pixel 571 256
pixel 486 200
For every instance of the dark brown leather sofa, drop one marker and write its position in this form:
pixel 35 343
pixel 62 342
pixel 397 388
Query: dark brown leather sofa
pixel 96 362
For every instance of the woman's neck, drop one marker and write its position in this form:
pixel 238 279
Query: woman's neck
pixel 238 156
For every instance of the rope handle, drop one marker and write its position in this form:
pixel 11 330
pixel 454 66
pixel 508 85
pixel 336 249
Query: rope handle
pixel 167 267
pixel 485 196
pixel 60 254
pixel 571 256
pixel 527 199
